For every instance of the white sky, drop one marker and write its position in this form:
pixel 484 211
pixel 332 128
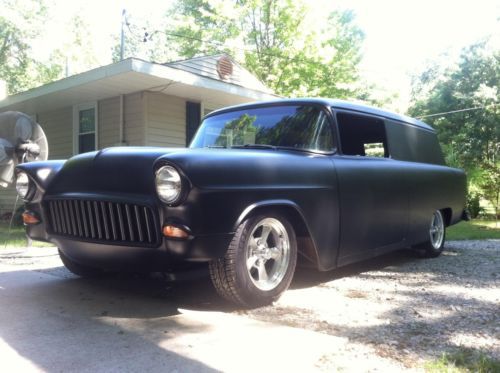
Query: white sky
pixel 401 36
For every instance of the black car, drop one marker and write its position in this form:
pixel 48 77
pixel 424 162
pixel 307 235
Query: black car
pixel 325 181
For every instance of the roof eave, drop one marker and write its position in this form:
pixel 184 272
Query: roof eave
pixel 139 66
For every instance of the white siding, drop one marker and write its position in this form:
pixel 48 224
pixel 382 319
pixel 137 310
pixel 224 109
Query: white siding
pixel 58 127
pixel 213 104
pixel 134 130
pixel 109 122
pixel 166 120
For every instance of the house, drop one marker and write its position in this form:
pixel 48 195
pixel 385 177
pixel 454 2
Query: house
pixel 133 102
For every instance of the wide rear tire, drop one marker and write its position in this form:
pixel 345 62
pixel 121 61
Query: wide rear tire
pixel 437 236
pixel 259 263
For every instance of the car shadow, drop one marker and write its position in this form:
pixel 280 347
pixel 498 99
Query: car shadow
pixel 197 292
pixel 306 277
pixel 57 322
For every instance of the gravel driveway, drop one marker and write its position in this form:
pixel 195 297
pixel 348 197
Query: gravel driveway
pixel 395 312
pixel 402 308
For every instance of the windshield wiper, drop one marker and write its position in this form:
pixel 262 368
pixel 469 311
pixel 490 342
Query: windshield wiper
pixel 254 146
pixel 215 147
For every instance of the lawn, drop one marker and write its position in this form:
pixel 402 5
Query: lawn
pixel 474 230
pixel 16 237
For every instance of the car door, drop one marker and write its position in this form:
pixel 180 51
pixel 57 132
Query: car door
pixel 373 190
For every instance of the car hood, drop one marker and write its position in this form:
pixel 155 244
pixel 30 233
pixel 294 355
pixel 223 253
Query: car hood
pixel 130 170
pixel 126 170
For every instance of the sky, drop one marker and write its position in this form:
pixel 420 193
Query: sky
pixel 401 36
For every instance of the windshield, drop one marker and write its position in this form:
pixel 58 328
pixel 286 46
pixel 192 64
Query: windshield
pixel 298 127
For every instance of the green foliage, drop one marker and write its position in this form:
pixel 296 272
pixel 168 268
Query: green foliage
pixel 490 184
pixel 468 137
pixel 20 22
pixel 473 204
pixel 291 53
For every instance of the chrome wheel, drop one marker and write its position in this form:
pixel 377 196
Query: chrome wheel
pixel 268 254
pixel 436 231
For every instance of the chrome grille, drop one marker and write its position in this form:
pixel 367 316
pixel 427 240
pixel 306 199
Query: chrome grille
pixel 104 221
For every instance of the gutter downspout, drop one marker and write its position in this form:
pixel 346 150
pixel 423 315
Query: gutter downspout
pixel 122 122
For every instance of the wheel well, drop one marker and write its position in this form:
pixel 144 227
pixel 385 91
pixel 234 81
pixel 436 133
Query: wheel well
pixel 305 244
pixel 446 215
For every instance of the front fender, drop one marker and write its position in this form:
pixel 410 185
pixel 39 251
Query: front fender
pixel 268 203
pixel 293 212
pixel 42 173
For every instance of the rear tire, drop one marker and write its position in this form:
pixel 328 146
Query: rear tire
pixel 79 269
pixel 437 236
pixel 259 263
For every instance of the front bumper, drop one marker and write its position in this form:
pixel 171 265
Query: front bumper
pixel 104 233
pixel 170 255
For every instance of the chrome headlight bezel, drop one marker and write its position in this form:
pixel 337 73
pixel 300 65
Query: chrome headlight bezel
pixel 170 185
pixel 24 186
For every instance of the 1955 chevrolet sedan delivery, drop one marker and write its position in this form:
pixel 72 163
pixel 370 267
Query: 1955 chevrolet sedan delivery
pixel 261 186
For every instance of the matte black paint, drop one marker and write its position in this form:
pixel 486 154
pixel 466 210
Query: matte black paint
pixel 351 207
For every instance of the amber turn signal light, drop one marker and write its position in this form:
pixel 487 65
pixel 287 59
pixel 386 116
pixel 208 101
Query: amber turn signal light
pixel 30 218
pixel 174 232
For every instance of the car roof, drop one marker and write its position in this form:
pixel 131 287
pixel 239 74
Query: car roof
pixel 336 104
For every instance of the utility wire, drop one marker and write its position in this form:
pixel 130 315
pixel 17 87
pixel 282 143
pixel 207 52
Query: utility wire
pixel 456 111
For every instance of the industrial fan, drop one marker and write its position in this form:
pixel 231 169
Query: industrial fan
pixel 21 140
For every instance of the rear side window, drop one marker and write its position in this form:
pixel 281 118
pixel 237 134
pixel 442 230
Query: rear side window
pixel 361 135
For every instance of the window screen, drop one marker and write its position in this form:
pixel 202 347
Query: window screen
pixel 361 135
pixel 86 130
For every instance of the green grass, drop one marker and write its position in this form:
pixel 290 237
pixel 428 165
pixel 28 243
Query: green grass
pixel 463 361
pixel 474 230
pixel 16 238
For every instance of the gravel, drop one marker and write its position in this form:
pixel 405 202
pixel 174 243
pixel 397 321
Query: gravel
pixel 388 314
pixel 402 309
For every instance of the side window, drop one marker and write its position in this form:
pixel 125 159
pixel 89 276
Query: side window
pixel 85 128
pixel 362 135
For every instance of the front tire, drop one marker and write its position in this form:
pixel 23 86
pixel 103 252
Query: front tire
pixel 437 235
pixel 259 263
pixel 79 269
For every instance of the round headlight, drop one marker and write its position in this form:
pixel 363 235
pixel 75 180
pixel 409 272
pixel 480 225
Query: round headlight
pixel 23 184
pixel 168 184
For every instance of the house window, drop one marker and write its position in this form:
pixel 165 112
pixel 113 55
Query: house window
pixel 85 126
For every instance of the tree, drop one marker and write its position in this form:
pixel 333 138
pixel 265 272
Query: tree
pixel 278 40
pixel 78 49
pixel 490 184
pixel 470 138
pixel 142 40
pixel 20 23
pixel 473 136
